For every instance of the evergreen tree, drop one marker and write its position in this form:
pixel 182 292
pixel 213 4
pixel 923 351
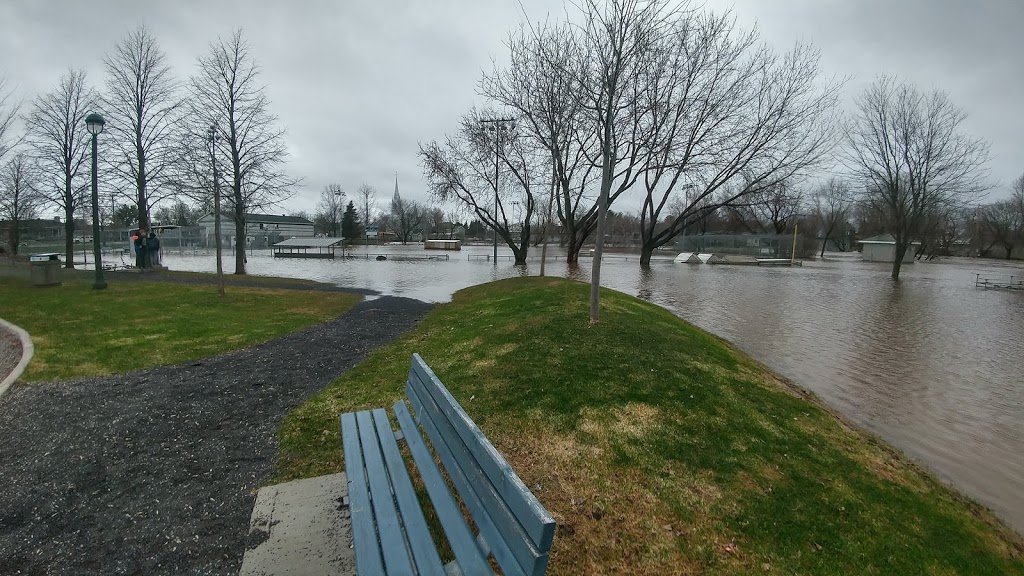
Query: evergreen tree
pixel 351 227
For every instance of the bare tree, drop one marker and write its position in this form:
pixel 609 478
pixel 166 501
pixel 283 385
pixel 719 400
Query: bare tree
pixel 1003 223
pixel 618 39
pixel 908 150
pixel 463 170
pixel 180 213
pixel 60 145
pixel 777 207
pixel 9 108
pixel 226 94
pixel 20 200
pixel 731 120
pixel 329 210
pixel 142 107
pixel 367 196
pixel 832 201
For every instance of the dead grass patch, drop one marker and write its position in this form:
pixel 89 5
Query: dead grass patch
pixel 611 520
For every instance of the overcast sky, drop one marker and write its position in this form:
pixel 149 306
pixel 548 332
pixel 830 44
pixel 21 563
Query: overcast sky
pixel 357 84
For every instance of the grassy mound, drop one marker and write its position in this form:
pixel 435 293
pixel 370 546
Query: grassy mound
pixel 660 449
pixel 78 331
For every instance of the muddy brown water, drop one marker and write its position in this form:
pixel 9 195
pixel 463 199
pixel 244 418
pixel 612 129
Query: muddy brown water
pixel 931 364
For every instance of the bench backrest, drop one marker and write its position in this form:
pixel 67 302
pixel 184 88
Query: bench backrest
pixel 513 525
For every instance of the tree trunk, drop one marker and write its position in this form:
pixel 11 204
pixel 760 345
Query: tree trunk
pixel 645 256
pixel 239 245
pixel 897 262
pixel 15 236
pixel 524 246
pixel 824 243
pixel 575 244
pixel 543 256
pixel 69 237
pixel 140 183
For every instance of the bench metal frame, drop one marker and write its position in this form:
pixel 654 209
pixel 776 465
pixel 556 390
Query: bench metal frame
pixel 389 529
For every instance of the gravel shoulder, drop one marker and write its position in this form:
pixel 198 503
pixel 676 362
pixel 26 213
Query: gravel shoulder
pixel 156 472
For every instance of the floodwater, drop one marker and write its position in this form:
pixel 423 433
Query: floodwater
pixel 931 364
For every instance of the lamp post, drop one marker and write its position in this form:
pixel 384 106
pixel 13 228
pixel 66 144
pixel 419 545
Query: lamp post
pixel 499 127
pixel 338 196
pixel 94 123
pixel 212 135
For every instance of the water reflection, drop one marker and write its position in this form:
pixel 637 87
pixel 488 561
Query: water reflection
pixel 929 363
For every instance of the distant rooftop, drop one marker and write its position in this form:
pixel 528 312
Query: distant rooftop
pixel 882 239
pixel 309 243
pixel 269 218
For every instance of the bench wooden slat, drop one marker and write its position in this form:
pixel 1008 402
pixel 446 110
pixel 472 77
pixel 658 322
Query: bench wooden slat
pixel 499 528
pixel 389 526
pixel 364 536
pixel 470 559
pixel 428 563
pixel 531 514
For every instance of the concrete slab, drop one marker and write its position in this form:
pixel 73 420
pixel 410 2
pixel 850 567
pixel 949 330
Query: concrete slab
pixel 301 528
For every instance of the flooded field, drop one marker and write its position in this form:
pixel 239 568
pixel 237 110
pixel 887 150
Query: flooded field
pixel 931 363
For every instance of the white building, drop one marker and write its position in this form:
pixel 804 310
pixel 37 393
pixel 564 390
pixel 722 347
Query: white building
pixel 882 248
pixel 260 229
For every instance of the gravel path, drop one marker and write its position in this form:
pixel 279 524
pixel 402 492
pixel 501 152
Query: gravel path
pixel 155 472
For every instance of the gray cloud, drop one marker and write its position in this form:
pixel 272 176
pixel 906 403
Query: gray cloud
pixel 358 84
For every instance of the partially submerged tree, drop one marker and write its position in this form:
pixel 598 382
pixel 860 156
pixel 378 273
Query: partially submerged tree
pixel 19 196
pixel 465 168
pixel 734 123
pixel 909 151
pixel 541 84
pixel 1002 224
pixel 226 94
pixel 60 146
pixel 142 112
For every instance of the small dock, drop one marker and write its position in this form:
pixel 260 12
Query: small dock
pixel 1011 282
pixel 397 257
pixel 779 262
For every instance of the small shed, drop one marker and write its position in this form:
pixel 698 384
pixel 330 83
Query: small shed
pixel 300 248
pixel 687 258
pixel 882 248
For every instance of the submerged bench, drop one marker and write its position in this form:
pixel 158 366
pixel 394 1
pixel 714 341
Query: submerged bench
pixel 389 530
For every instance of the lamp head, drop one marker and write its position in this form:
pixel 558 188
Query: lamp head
pixel 94 123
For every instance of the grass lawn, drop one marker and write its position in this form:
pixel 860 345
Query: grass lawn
pixel 659 449
pixel 78 331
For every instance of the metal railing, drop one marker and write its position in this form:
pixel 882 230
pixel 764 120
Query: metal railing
pixel 1011 282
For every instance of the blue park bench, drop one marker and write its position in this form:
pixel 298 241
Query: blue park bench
pixel 389 530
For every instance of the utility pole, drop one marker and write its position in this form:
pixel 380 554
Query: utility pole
pixel 498 127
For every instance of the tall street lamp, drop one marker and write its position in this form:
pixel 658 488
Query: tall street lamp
pixel 499 128
pixel 94 123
